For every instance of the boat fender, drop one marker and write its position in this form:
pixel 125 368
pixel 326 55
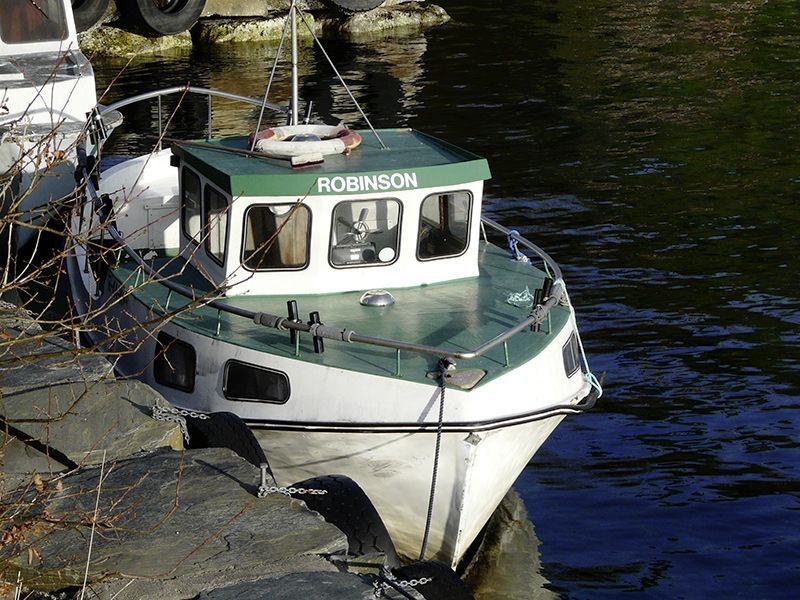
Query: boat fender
pixel 225 430
pixel 349 508
pixel 301 140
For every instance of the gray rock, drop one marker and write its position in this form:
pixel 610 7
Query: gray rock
pixel 20 461
pixel 171 525
pixel 30 359
pixel 222 31
pixel 323 586
pixel 406 15
pixel 80 421
pixel 109 40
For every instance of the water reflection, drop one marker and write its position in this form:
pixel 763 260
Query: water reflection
pixel 506 565
pixel 384 73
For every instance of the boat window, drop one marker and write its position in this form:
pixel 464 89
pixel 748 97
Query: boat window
pixel 26 22
pixel 571 355
pixel 174 363
pixel 250 383
pixel 276 236
pixel 190 205
pixel 215 223
pixel 444 225
pixel 365 232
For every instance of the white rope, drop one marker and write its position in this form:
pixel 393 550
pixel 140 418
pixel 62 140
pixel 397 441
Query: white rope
pixel 588 375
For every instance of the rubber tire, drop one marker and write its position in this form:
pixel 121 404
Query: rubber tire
pixel 145 17
pixel 225 430
pixel 349 508
pixel 88 12
pixel 444 584
pixel 354 6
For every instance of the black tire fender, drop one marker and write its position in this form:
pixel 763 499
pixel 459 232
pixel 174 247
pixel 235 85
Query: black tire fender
pixel 88 12
pixel 349 508
pixel 444 584
pixel 154 18
pixel 225 430
pixel 352 6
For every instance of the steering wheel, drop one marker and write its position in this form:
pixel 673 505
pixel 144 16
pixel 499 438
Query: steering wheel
pixel 359 229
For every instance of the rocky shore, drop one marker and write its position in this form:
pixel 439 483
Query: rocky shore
pixel 225 21
pixel 94 489
pixel 92 486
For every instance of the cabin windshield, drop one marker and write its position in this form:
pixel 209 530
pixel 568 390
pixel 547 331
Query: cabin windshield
pixel 365 232
pixel 444 225
pixel 276 236
pixel 29 21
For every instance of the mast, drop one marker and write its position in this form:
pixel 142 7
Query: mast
pixel 295 91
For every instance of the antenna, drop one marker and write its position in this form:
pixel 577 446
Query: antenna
pixel 295 86
pixel 294 116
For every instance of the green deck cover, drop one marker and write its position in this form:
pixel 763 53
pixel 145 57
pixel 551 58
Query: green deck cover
pixel 433 161
pixel 459 314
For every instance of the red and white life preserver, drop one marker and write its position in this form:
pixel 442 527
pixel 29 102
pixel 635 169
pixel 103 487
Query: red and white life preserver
pixel 281 142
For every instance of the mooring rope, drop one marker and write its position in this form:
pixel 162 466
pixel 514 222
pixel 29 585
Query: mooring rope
pixel 445 364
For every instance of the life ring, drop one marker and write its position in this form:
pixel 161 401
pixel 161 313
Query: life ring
pixel 299 140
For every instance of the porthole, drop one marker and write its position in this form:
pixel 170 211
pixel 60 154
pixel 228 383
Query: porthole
pixel 249 383
pixel 175 363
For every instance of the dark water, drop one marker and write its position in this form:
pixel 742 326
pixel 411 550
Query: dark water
pixel 651 147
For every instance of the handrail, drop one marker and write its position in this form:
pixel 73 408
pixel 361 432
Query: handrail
pixel 192 90
pixel 538 313
pixel 528 244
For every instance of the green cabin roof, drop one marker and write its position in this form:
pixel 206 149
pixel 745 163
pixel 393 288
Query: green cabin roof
pixel 411 160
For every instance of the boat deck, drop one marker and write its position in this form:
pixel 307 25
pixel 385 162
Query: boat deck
pixel 456 315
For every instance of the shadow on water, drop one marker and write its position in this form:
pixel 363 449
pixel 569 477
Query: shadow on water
pixel 649 147
pixel 506 565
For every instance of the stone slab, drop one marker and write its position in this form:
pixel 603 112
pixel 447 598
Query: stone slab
pixel 19 461
pixel 171 525
pixel 82 420
pixel 322 586
pixel 30 359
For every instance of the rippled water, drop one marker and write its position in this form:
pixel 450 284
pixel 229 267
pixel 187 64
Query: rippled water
pixel 651 148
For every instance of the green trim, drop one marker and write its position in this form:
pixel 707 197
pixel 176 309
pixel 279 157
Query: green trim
pixel 435 314
pixel 414 160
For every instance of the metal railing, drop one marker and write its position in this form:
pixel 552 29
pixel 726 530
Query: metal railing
pixel 207 92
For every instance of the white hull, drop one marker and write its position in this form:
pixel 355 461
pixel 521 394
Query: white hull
pixel 380 431
pixel 394 469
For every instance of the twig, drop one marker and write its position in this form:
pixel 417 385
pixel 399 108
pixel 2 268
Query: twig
pixel 94 523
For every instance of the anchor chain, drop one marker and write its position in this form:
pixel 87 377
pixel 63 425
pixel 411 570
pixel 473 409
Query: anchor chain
pixel 177 415
pixel 386 579
pixel 265 490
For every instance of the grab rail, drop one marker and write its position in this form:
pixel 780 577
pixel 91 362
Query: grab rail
pixel 188 89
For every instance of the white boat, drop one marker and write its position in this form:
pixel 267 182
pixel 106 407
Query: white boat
pixel 208 268
pixel 47 89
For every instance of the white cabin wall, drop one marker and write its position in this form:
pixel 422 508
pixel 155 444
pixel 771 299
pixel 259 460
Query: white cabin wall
pixel 320 277
pixel 147 219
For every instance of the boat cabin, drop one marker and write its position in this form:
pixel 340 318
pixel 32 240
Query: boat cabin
pixel 402 216
pixel 44 77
